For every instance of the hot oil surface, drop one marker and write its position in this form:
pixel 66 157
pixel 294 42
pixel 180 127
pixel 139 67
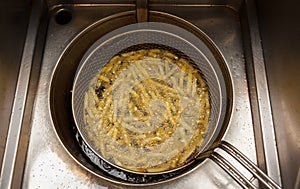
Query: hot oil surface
pixel 147 110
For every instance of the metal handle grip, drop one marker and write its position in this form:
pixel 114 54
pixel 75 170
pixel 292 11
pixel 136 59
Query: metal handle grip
pixel 243 160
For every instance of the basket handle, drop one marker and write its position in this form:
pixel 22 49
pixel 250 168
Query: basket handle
pixel 243 160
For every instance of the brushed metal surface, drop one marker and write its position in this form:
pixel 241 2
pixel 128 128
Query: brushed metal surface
pixel 263 99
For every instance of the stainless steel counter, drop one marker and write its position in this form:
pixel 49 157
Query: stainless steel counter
pixel 47 163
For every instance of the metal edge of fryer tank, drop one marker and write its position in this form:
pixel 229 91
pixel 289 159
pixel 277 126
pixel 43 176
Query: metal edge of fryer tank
pixel 23 101
pixel 264 130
